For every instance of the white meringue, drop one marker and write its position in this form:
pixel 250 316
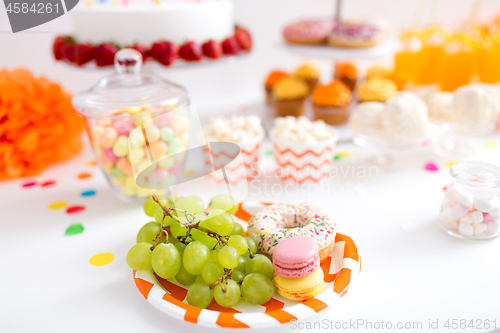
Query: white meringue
pixel 475 106
pixel 439 104
pixel 366 119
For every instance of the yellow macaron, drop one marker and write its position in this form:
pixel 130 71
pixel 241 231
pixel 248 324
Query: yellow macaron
pixel 299 289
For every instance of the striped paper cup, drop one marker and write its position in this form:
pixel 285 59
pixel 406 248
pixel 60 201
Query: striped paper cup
pixel 304 162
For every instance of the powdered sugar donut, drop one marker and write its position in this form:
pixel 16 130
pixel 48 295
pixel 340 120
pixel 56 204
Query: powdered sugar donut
pixel 308 31
pixel 284 220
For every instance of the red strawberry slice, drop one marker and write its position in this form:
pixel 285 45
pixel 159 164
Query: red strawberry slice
pixel 191 51
pixel 58 46
pixel 164 52
pixel 243 38
pixel 212 49
pixel 105 54
pixel 84 53
pixel 141 49
pixel 230 46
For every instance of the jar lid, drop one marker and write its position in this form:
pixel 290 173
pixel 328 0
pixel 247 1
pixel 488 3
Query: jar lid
pixel 129 91
pixel 476 174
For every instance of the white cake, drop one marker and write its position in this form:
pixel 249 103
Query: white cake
pixel 147 21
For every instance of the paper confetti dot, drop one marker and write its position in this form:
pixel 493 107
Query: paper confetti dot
pixel 449 164
pixel 426 143
pixel 84 175
pixel 74 209
pixel 29 184
pixel 58 205
pixel 491 143
pixel 91 163
pixel 345 154
pixel 101 259
pixel 88 193
pixel 337 157
pixel 445 188
pixel 189 172
pixel 431 167
pixel 74 229
pixel 270 153
pixel 48 183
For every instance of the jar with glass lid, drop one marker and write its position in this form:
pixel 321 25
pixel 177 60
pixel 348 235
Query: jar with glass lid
pixel 471 206
pixel 135 119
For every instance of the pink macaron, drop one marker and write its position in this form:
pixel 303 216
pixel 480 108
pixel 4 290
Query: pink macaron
pixel 296 257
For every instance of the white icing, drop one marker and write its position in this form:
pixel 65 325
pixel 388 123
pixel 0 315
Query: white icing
pixel 405 117
pixel 439 105
pixel 366 119
pixel 475 106
pixel 145 23
pixel 301 130
pixel 234 129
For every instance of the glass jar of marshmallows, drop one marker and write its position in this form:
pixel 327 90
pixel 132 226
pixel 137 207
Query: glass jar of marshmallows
pixel 471 206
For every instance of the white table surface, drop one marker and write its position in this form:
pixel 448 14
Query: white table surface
pixel 412 271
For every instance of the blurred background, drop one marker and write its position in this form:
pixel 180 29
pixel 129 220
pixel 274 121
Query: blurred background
pixel 225 86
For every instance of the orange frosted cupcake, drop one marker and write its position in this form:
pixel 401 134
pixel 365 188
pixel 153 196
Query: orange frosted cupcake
pixel 347 73
pixel 331 102
pixel 289 97
pixel 271 80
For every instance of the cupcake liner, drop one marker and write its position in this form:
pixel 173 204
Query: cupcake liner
pixel 304 162
pixel 293 107
pixel 332 115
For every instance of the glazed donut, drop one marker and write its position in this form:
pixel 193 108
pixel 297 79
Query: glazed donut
pixel 356 35
pixel 308 31
pixel 284 220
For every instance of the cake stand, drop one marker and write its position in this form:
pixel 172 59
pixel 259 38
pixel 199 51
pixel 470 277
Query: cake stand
pixel 452 141
pixel 389 154
pixel 338 54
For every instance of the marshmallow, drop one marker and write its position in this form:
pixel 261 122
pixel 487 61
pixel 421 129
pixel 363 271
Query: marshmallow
pixel 469 219
pixel 459 210
pixel 479 228
pixel 477 216
pixel 483 205
pixel 465 200
pixel 465 229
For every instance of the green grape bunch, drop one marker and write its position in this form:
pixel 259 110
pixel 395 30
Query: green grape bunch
pixel 204 249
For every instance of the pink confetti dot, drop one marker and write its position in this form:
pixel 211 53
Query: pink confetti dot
pixel 29 184
pixel 74 209
pixel 431 167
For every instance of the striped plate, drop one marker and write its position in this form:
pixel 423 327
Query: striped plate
pixel 342 266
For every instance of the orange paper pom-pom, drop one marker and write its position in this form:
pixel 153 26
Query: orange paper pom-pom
pixel 38 124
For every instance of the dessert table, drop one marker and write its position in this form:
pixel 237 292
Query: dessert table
pixel 413 275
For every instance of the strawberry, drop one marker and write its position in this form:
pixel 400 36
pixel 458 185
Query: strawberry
pixel 212 49
pixel 142 50
pixel 58 46
pixel 84 53
pixel 105 54
pixel 164 52
pixel 191 51
pixel 69 52
pixel 230 46
pixel 243 38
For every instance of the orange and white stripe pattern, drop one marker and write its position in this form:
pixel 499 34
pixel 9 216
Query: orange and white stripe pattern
pixel 340 269
pixel 303 162
pixel 238 169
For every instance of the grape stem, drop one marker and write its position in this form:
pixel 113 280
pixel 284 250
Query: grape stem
pixel 168 211
pixel 222 279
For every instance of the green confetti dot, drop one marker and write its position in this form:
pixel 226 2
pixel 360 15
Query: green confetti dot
pixel 74 229
pixel 337 158
pixel 270 153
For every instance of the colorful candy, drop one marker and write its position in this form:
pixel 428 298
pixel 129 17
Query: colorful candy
pixel 126 154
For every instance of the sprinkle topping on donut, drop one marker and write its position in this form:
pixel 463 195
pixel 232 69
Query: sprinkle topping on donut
pixel 308 30
pixel 284 220
pixel 358 31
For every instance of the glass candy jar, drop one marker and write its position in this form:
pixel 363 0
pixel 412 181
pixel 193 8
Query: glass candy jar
pixel 471 206
pixel 134 119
